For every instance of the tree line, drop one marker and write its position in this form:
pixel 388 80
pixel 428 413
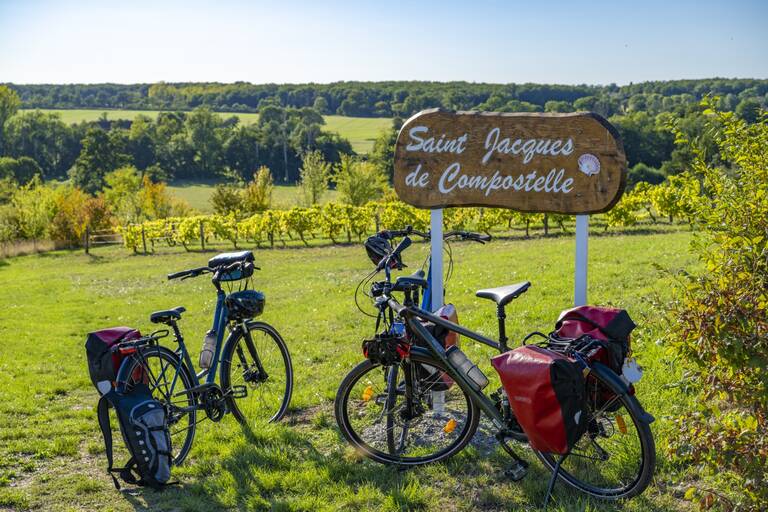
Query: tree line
pixel 200 144
pixel 399 98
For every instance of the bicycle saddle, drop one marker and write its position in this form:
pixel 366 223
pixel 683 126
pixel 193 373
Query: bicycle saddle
pixel 162 317
pixel 503 295
pixel 411 282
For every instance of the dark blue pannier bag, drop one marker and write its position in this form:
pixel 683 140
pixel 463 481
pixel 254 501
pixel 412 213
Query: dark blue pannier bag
pixel 144 425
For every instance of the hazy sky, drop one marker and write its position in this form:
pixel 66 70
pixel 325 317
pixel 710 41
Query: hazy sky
pixel 324 41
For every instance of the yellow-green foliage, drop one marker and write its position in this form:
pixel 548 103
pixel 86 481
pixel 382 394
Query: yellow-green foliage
pixel 338 221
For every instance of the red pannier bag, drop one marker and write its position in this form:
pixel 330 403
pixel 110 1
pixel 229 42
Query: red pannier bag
pixel 612 326
pixel 547 393
pixel 103 362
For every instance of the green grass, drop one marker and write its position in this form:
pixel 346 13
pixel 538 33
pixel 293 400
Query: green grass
pixel 360 131
pixel 198 195
pixel 50 447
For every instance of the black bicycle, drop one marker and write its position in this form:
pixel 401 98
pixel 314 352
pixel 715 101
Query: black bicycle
pixel 387 406
pixel 255 374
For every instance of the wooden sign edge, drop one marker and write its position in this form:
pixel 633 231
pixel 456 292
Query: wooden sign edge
pixel 597 117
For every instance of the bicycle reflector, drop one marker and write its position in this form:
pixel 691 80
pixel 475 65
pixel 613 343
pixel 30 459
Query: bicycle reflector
pixel 379 248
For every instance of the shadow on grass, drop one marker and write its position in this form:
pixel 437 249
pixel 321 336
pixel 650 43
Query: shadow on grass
pixel 275 469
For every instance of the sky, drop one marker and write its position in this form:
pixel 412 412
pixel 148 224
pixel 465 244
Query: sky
pixel 287 41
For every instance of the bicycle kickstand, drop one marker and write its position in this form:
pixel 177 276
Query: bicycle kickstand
pixel 555 473
pixel 520 467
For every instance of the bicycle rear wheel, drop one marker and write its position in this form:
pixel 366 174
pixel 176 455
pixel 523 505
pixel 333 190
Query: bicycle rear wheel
pixel 388 413
pixel 156 366
pixel 615 458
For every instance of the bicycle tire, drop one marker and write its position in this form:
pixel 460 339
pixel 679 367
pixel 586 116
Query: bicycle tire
pixel 229 355
pixel 131 365
pixel 647 452
pixel 341 410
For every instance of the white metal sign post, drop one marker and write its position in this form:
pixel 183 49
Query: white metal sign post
pixel 436 262
pixel 580 274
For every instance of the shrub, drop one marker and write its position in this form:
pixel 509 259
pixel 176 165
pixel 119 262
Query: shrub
pixel 226 199
pixel 71 216
pixel 358 182
pixel 313 177
pixel 257 195
pixel 720 317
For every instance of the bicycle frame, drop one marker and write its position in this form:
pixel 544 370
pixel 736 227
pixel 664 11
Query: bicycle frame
pixel 412 315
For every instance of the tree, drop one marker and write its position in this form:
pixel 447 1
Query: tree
pixel 45 138
pixel 314 175
pixel 358 182
pixel 383 153
pixel 9 104
pixel 21 170
pixel 558 106
pixel 241 151
pixel 121 193
pixel 643 173
pixel 748 110
pixel 257 195
pixel 204 130
pixel 154 200
pixel 33 203
pixel 141 142
pixel 102 153
pixel 321 105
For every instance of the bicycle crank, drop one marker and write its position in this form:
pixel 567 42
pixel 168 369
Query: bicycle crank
pixel 214 404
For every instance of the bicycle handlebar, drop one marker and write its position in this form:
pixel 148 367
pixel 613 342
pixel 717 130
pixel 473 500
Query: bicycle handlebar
pixel 465 235
pixel 193 272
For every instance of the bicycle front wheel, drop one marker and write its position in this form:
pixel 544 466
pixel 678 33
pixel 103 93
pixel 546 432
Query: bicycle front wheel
pixel 168 379
pixel 404 414
pixel 256 373
pixel 615 458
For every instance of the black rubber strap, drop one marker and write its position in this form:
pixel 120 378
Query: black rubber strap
pixel 102 411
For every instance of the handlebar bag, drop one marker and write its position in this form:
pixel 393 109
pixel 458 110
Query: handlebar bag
pixel 612 326
pixel 103 361
pixel 547 393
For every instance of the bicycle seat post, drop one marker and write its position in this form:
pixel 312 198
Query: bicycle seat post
pixel 502 316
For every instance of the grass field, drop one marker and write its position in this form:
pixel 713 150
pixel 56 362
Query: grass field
pixel 360 131
pixel 198 195
pixel 51 453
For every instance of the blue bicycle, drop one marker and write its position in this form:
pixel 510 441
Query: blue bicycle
pixel 255 371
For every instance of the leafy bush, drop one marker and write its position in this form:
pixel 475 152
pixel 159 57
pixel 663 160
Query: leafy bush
pixel 720 320
pixel 226 199
pixel 257 195
pixel 358 182
pixel 313 177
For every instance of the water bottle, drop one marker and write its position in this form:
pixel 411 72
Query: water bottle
pixel 438 402
pixel 474 375
pixel 209 346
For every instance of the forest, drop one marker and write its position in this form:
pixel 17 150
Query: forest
pixel 196 137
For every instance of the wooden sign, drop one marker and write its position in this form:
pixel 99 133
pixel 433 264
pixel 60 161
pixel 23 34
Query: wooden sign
pixel 532 162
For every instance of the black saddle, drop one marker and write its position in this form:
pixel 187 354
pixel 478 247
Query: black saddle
pixel 503 295
pixel 165 316
pixel 411 282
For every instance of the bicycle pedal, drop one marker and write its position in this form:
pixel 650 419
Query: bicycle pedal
pixel 239 392
pixel 516 472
